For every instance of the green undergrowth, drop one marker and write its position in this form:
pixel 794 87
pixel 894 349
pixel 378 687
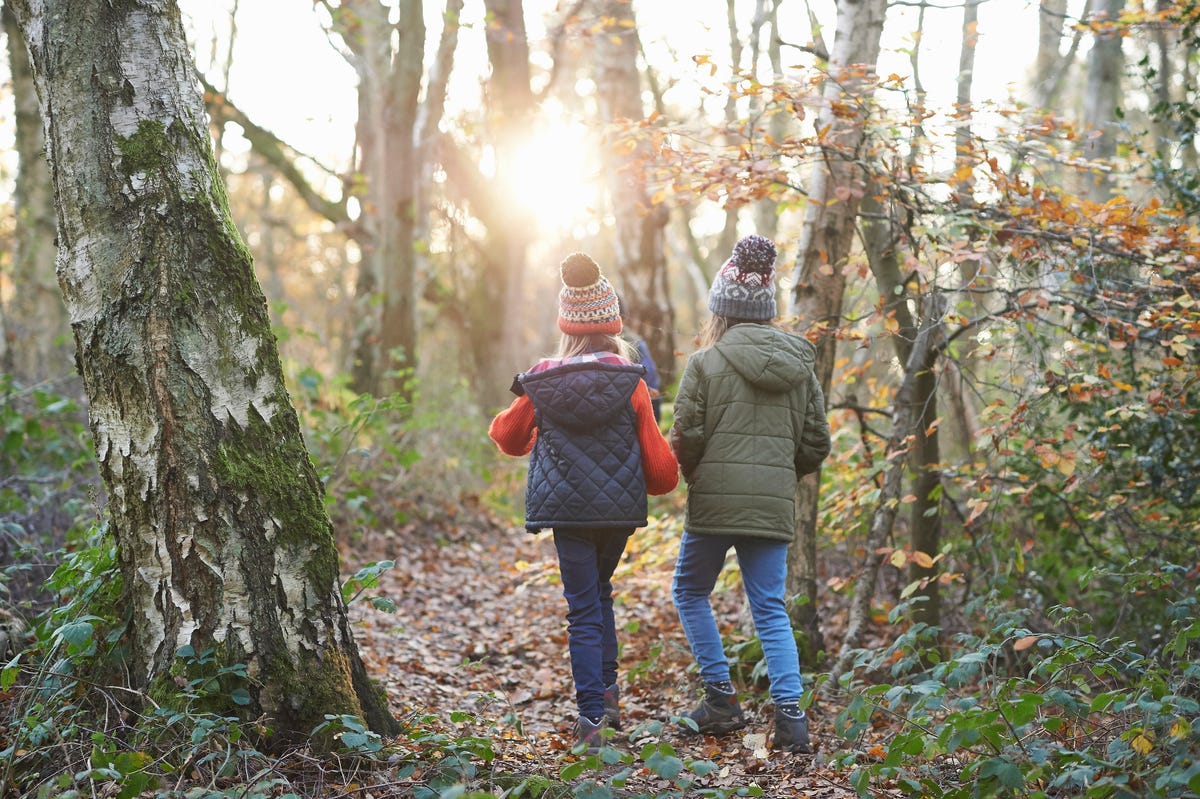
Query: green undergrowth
pixel 48 488
pixel 390 462
pixel 1018 712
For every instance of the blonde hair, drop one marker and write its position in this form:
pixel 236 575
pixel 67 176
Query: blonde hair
pixel 716 326
pixel 570 345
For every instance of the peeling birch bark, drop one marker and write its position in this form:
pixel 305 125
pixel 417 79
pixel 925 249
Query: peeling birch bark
pixel 825 241
pixel 217 512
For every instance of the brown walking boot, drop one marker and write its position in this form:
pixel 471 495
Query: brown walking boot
pixel 717 714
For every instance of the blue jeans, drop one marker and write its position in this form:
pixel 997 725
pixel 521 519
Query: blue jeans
pixel 586 561
pixel 764 572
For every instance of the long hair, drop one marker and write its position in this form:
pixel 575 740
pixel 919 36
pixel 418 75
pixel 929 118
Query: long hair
pixel 570 345
pixel 716 326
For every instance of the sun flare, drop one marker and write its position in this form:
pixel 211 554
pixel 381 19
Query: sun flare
pixel 555 175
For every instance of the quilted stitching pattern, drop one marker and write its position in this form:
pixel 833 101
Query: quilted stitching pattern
pixel 749 416
pixel 586 466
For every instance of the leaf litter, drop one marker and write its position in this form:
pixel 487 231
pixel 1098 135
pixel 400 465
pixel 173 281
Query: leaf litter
pixel 478 642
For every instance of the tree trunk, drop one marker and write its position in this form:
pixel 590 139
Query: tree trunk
pixel 966 158
pixel 639 247
pixel 38 334
pixel 924 517
pixel 388 90
pixel 1102 95
pixel 733 137
pixel 1166 42
pixel 766 211
pixel 1049 89
pixel 218 515
pixel 499 337
pixel 1052 15
pixel 825 241
pixel 965 426
pixel 905 415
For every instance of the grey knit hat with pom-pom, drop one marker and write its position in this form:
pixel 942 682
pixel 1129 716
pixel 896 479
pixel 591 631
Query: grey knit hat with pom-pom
pixel 744 288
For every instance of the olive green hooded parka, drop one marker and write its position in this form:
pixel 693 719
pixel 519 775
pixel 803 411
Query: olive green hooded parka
pixel 749 421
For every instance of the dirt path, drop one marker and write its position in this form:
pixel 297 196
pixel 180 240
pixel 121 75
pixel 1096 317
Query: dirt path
pixel 480 633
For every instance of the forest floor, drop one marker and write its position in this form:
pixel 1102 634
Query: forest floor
pixel 478 641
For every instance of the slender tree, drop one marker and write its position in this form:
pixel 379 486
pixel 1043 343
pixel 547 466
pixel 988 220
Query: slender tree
pixel 834 191
pixel 216 510
pixel 388 58
pixel 39 334
pixel 922 353
pixel 766 17
pixel 1102 93
pixel 499 349
pixel 400 106
pixel 639 242
pixel 1049 61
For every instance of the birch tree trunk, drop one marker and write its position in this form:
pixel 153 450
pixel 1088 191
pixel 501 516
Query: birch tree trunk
pixel 640 252
pixel 38 335
pixel 218 516
pixel 966 156
pixel 825 239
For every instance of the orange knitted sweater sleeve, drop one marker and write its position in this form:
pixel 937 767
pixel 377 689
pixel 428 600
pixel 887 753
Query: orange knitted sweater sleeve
pixel 658 462
pixel 513 429
pixel 514 432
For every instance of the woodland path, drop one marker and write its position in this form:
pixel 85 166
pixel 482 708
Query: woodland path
pixel 480 631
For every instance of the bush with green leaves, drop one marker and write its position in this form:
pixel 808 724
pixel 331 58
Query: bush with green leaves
pixel 385 459
pixel 48 483
pixel 1014 712
pixel 72 729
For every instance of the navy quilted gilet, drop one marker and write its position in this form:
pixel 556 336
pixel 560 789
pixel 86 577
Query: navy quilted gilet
pixel 585 470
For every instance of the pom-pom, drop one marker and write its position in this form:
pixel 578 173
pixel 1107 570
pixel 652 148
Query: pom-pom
pixel 579 271
pixel 754 254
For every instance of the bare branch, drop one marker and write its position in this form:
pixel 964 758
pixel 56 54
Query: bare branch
pixel 278 154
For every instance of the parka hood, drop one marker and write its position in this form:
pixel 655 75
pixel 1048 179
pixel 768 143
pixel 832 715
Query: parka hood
pixel 767 357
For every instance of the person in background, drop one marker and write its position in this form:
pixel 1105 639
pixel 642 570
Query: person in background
pixel 749 421
pixel 643 357
pixel 584 417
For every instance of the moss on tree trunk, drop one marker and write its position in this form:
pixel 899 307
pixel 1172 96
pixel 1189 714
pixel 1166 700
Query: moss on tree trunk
pixel 218 515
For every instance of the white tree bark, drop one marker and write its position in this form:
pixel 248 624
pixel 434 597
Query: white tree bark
pixel 217 512
pixel 833 199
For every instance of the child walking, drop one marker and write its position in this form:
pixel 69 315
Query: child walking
pixel 749 420
pixel 596 451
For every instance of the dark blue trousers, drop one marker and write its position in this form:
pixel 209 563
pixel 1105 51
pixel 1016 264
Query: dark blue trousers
pixel 586 561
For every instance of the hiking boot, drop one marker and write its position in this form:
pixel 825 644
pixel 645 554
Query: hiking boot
pixel 612 706
pixel 791 730
pixel 718 713
pixel 589 734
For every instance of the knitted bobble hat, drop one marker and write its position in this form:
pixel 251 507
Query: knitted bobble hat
pixel 587 302
pixel 744 288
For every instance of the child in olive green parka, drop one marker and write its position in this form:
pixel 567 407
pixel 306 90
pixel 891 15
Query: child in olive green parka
pixel 749 421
